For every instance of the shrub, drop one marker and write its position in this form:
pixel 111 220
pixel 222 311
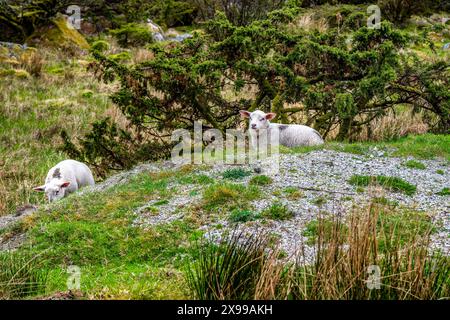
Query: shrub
pixel 241 13
pixel 398 11
pixel 120 57
pixel 100 45
pixel 171 13
pixel 184 82
pixel 132 35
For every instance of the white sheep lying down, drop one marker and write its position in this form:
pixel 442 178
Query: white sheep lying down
pixel 66 177
pixel 290 135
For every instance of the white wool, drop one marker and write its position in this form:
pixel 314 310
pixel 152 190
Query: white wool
pixel 72 173
pixel 290 135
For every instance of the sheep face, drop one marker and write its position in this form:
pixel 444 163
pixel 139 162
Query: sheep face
pixel 259 120
pixel 54 190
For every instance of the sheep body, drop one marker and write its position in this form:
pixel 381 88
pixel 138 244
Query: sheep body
pixel 290 135
pixel 66 177
pixel 296 135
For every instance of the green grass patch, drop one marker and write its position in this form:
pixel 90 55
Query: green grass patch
pixel 96 233
pixel 277 211
pixel 293 193
pixel 243 216
pixel 196 179
pixel 326 228
pixel 236 173
pixel 426 146
pixel 391 183
pixel 403 225
pixel 261 180
pixel 444 192
pixel 229 196
pixel 413 164
pixel 21 275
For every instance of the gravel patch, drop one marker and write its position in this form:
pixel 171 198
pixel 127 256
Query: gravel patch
pixel 324 174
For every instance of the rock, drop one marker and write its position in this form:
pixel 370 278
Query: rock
pixel 170 35
pixel 59 34
pixel 181 37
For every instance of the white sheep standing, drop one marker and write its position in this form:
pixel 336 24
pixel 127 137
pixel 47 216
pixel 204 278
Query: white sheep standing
pixel 66 177
pixel 290 135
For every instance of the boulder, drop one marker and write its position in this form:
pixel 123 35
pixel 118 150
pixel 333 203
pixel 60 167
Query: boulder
pixel 59 33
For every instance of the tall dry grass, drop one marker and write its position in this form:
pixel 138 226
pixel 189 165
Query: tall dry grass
pixel 348 257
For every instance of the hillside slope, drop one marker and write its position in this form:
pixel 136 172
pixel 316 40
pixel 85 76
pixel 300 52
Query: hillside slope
pixel 132 234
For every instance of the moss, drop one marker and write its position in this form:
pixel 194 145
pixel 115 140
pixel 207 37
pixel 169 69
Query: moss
pixel 100 45
pixel 122 56
pixel 60 34
pixel 7 72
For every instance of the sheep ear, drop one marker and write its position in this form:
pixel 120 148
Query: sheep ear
pixel 271 115
pixel 40 188
pixel 244 113
pixel 64 184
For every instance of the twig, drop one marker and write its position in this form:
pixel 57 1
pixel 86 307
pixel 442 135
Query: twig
pixel 321 190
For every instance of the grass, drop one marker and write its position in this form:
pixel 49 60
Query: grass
pixel 236 174
pixel 229 196
pixel 444 192
pixel 324 227
pixel 277 211
pixel 202 179
pixel 391 183
pixel 228 270
pixel 243 216
pixel 413 164
pixel 425 146
pixel 95 232
pixel 293 193
pixel 243 266
pixel 32 114
pixel 407 270
pixel 21 275
pixel 261 180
